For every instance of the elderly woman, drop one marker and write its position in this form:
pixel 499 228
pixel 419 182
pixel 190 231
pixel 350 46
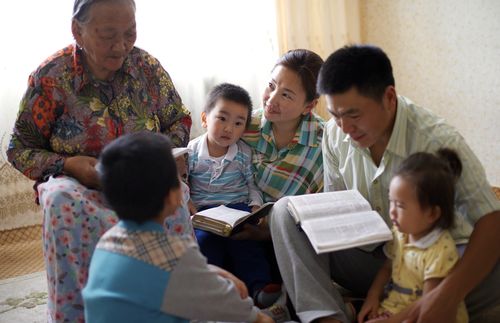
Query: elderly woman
pixel 77 101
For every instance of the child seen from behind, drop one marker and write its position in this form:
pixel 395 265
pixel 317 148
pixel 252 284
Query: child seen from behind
pixel 140 273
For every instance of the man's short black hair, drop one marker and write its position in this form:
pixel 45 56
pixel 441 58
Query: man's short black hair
pixel 364 67
pixel 137 171
pixel 230 92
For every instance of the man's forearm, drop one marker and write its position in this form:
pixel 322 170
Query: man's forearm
pixel 481 255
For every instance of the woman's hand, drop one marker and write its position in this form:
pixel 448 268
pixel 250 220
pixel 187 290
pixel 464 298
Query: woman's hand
pixel 83 169
pixel 258 232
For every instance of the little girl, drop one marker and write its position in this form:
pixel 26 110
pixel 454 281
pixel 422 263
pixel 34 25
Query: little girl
pixel 422 252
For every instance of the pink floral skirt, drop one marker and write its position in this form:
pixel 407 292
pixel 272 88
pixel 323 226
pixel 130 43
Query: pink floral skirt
pixel 74 218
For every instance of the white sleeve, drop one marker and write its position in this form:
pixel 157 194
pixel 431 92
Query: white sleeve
pixel 332 177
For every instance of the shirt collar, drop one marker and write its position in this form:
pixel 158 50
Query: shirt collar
pixel 149 225
pixel 205 155
pixel 426 241
pixel 397 142
pixel 306 134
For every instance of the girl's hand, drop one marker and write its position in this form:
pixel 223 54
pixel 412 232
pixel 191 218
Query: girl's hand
pixel 369 309
pixel 83 169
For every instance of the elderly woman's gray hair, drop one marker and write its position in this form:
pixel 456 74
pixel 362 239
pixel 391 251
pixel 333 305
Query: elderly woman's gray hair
pixel 81 8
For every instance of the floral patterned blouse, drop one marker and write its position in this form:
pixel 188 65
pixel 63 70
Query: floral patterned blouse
pixel 66 111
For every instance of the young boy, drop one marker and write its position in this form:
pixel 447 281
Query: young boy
pixel 221 172
pixel 140 274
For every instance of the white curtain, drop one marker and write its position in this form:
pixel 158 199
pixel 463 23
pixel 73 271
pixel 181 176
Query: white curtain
pixel 319 25
pixel 199 42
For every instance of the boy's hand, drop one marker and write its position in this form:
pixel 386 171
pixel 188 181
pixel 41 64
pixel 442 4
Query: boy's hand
pixel 263 318
pixel 192 208
pixel 240 286
pixel 259 232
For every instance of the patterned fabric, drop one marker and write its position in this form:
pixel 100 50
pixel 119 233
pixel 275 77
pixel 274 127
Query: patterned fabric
pixel 228 181
pixel 433 256
pixel 74 219
pixel 179 223
pixel 66 112
pixel 348 166
pixel 152 247
pixel 292 170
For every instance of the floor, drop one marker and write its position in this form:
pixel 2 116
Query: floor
pixel 23 299
pixel 23 287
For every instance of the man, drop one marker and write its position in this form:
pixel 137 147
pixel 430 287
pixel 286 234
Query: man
pixel 372 130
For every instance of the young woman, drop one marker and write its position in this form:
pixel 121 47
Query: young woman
pixel 285 135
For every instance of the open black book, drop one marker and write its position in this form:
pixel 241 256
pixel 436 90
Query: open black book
pixel 338 220
pixel 226 221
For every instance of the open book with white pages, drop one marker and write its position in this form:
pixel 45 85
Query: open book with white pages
pixel 226 221
pixel 338 220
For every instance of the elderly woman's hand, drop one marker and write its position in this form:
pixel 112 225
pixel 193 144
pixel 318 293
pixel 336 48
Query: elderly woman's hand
pixel 254 232
pixel 83 169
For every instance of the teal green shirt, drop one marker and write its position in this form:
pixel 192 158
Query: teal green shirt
pixel 348 166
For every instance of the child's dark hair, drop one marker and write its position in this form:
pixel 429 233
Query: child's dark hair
pixel 434 177
pixel 137 171
pixel 364 67
pixel 306 64
pixel 229 92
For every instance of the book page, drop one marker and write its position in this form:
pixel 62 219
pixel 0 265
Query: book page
pixel 346 231
pixel 317 205
pixel 224 214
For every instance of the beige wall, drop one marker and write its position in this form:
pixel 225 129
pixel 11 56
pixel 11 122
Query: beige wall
pixel 446 57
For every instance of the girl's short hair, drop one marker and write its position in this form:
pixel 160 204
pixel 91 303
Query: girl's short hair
pixel 434 177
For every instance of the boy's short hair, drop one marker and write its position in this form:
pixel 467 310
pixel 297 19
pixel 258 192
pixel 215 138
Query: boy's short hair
pixel 364 67
pixel 229 92
pixel 137 171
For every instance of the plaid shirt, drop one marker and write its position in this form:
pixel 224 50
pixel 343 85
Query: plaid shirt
pixel 293 170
